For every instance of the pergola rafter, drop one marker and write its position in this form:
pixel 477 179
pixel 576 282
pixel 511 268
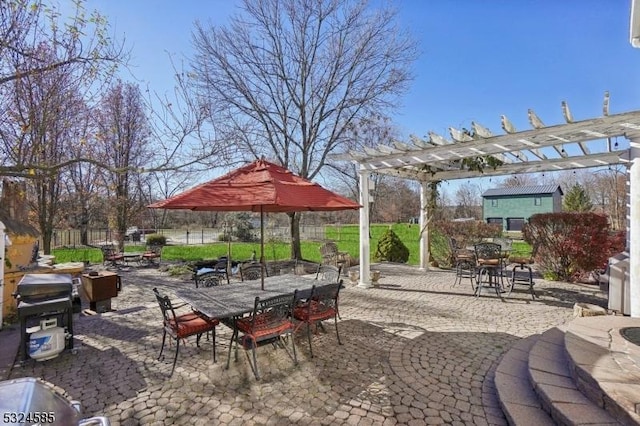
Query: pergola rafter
pixel 480 152
pixel 574 145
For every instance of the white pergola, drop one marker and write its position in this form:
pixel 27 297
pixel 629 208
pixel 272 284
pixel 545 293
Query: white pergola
pixel 572 145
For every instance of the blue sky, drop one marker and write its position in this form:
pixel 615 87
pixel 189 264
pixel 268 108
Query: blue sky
pixel 478 58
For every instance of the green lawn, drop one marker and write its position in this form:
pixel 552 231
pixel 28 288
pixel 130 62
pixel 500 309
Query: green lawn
pixel 346 237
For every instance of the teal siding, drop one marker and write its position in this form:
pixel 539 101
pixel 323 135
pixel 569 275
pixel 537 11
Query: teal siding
pixel 519 206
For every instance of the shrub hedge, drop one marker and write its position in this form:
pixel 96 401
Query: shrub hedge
pixel 570 245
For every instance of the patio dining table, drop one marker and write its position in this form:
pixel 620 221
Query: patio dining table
pixel 233 300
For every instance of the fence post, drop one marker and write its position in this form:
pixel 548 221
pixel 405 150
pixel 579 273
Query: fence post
pixel 187 237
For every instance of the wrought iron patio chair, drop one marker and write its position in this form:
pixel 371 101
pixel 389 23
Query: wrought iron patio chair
pixel 489 264
pixel 269 322
pixel 181 326
pixel 208 279
pixel 331 255
pixel 464 262
pixel 521 274
pixel 321 305
pixel 328 273
pixel 252 271
pixel 110 256
pixel 153 255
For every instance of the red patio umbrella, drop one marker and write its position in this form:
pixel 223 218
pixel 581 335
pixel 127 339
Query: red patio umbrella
pixel 258 187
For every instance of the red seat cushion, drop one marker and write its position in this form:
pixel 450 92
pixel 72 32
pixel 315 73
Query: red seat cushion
pixel 317 312
pixel 488 262
pixel 192 323
pixel 264 325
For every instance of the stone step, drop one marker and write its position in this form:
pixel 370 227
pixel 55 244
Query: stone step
pixel 518 399
pixel 551 376
pixel 604 365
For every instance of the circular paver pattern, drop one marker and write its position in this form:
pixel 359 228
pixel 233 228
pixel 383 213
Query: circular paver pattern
pixel 416 350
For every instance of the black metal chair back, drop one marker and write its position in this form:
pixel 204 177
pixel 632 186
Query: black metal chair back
pixel 487 253
pixel 182 326
pixel 168 312
pixel 269 322
pixel 489 267
pixel 321 305
pixel 328 273
pixel 252 271
pixel 208 279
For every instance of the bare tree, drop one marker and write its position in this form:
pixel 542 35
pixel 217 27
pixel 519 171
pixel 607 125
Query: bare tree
pixel 607 188
pixel 288 77
pixel 122 138
pixel 519 180
pixel 80 39
pixel 361 133
pixel 37 127
pixel 186 143
pixel 37 43
pixel 83 182
pixel 468 201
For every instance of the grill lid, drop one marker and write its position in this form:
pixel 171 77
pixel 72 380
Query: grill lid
pixel 43 286
pixel 30 395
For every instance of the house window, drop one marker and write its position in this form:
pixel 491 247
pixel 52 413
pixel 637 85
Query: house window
pixel 496 220
pixel 494 203
pixel 537 201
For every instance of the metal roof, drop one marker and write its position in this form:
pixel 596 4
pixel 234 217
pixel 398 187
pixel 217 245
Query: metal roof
pixel 572 145
pixel 522 190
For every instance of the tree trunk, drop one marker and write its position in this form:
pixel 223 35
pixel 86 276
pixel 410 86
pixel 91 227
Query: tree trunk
pixel 46 241
pixel 296 252
pixel 84 226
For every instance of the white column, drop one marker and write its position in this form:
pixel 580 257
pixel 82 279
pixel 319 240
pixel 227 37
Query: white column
pixel 424 229
pixel 633 224
pixel 365 280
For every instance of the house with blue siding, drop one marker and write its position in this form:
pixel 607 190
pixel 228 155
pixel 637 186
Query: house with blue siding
pixel 512 207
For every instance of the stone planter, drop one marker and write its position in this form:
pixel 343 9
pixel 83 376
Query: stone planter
pixel 375 277
pixel 588 310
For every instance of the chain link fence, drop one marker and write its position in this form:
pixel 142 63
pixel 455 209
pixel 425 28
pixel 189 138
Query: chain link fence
pixel 71 237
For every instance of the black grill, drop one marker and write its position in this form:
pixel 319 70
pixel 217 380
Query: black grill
pixel 41 296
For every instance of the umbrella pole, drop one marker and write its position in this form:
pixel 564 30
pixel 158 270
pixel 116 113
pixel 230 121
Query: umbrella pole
pixel 262 265
pixel 229 229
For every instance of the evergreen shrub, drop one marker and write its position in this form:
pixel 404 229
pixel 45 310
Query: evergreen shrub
pixel 391 248
pixel 156 240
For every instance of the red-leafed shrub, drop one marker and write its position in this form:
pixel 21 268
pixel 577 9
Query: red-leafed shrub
pixel 570 245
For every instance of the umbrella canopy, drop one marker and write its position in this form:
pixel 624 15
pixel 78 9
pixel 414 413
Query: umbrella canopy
pixel 258 187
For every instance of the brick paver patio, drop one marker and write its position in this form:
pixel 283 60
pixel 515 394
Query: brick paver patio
pixel 416 351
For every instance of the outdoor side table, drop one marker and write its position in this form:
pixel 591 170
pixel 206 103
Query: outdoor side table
pixel 100 289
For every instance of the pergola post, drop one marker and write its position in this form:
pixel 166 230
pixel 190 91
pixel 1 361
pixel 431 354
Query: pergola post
pixel 365 265
pixel 425 192
pixel 633 224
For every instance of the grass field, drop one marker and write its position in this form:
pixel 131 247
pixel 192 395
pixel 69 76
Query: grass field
pixel 346 237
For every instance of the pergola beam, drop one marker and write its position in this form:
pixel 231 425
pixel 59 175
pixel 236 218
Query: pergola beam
pixel 573 145
pixel 559 138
